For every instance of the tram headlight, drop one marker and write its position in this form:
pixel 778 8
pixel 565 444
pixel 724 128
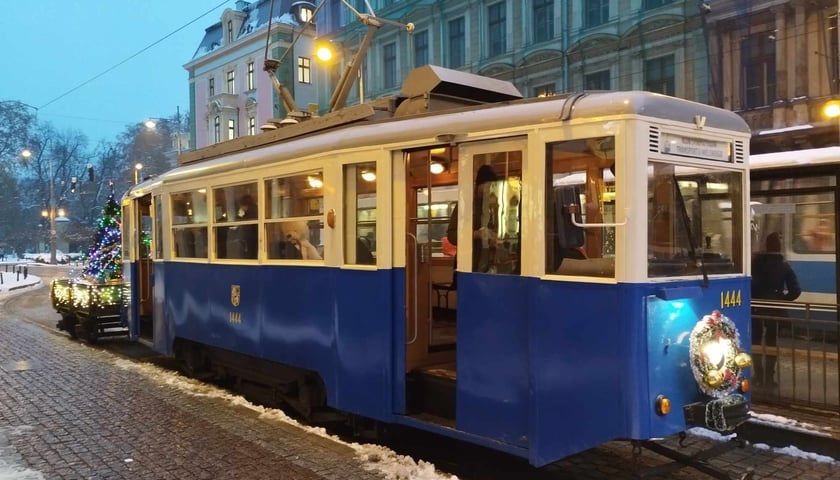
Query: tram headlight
pixel 717 360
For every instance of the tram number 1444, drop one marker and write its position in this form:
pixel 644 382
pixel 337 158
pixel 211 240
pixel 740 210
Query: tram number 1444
pixel 730 298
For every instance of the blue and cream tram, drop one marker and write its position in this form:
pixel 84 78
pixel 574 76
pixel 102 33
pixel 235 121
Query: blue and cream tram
pixel 599 288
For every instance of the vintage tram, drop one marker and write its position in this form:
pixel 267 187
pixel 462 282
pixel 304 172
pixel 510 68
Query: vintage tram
pixel 598 289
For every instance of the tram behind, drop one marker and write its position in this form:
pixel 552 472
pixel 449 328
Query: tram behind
pixel 794 193
pixel 602 266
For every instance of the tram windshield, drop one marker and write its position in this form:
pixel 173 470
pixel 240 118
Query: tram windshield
pixel 694 220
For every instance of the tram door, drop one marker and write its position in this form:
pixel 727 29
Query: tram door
pixel 144 234
pixel 432 193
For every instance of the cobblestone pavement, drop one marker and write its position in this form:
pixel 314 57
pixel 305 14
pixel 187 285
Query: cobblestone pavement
pixel 70 411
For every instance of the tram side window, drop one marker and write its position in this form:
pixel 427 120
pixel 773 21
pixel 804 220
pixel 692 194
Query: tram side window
pixel 799 208
pixel 360 214
pixel 236 211
pixel 189 223
pixel 693 220
pixel 294 216
pixel 580 182
pixel 496 212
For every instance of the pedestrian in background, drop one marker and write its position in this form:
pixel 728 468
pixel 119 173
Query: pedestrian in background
pixel 772 279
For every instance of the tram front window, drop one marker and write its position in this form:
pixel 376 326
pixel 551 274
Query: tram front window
pixel 694 221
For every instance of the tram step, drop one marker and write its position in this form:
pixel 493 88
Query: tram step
pixel 431 393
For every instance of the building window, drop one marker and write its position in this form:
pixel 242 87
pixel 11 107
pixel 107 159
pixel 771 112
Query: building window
pixel 231 134
pixel 304 70
pixel 211 87
pixel 595 12
pixel 544 90
pixel 231 84
pixel 650 4
pixel 305 14
pixel 543 20
pixel 217 129
pixel 457 43
pixel 660 76
pixel 230 31
pixel 421 48
pixel 496 29
pixel 597 81
pixel 252 126
pixel 251 84
pixel 389 65
pixel 758 63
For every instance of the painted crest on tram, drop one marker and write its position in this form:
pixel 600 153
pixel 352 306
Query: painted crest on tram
pixel 234 295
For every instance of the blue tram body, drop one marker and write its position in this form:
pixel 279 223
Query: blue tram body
pixel 578 340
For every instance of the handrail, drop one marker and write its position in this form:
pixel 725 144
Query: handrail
pixel 598 225
pixel 414 259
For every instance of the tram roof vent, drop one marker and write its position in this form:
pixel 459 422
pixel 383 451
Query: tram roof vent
pixel 432 88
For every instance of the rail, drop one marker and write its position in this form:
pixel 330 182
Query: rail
pixel 801 339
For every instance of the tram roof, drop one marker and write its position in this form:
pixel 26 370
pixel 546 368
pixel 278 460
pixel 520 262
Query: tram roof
pixel 449 114
pixel 793 158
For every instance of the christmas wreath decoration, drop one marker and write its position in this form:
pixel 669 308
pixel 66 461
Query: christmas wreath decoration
pixel 717 360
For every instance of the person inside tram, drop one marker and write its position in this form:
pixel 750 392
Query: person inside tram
pixel 485 223
pixel 772 279
pixel 297 235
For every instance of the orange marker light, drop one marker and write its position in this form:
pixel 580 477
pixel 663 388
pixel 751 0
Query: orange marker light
pixel 745 385
pixel 663 405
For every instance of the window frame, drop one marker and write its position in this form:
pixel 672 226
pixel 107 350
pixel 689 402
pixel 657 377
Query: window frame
pixel 457 51
pixel 595 13
pixel 389 65
pixel 304 70
pixel 496 29
pixel 542 20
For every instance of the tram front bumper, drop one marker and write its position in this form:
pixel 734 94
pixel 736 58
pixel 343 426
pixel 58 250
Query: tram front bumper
pixel 720 414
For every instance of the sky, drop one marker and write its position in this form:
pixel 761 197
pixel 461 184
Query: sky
pixel 54 52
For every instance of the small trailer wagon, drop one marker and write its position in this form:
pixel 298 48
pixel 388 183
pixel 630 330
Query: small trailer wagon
pixel 89 311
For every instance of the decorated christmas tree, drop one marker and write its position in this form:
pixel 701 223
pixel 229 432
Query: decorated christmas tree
pixel 104 259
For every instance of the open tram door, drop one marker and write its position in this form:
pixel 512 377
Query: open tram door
pixel 140 233
pixel 440 183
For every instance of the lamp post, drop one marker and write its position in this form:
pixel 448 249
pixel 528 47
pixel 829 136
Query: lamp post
pixel 151 124
pixel 137 168
pixel 51 212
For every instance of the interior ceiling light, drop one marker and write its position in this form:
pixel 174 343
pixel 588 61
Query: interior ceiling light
pixel 437 168
pixel 368 175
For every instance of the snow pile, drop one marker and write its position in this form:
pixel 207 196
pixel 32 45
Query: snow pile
pixel 373 457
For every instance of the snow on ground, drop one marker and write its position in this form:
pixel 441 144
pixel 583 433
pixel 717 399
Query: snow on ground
pixel 373 457
pixel 9 459
pixel 778 422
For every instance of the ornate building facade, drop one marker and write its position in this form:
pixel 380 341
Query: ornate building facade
pixel 230 94
pixel 773 61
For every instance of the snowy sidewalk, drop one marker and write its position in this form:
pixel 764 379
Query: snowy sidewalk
pixel 16 275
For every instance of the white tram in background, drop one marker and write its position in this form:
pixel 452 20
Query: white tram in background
pixel 602 269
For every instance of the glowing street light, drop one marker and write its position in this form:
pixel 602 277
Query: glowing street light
pixel 151 124
pixel 137 169
pixel 832 110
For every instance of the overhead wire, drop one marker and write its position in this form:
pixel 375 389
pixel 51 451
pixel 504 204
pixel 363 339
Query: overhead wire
pixel 130 57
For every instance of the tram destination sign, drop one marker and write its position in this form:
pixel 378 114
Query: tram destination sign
pixel 695 148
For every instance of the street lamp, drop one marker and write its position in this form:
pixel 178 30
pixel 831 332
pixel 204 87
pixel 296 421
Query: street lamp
pixel 832 110
pixel 137 169
pixel 26 153
pixel 325 54
pixel 151 124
